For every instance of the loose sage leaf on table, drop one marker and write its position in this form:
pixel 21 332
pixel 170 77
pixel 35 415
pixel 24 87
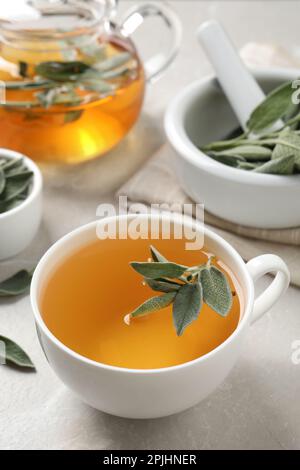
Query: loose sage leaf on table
pixel 271 109
pixel 153 304
pixel 17 284
pixel 186 306
pixel 216 290
pixel 159 269
pixel 279 166
pixel 14 355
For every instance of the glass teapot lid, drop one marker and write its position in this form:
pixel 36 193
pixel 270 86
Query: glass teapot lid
pixel 49 17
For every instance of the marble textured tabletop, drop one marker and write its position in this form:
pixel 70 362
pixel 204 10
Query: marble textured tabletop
pixel 257 407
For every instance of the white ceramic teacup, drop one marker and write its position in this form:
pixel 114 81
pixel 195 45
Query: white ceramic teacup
pixel 134 393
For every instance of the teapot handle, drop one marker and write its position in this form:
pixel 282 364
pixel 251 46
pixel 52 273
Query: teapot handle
pixel 136 16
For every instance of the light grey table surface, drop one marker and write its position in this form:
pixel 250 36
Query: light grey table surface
pixel 258 405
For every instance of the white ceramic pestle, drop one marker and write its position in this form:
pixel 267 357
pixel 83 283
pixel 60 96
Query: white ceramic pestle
pixel 240 87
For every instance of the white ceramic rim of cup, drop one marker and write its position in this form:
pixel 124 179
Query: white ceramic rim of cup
pixel 36 187
pixel 35 288
pixel 187 150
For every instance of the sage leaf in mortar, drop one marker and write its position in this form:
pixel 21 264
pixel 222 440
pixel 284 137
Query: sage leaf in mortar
pixel 185 289
pixel 249 152
pixel 229 160
pixel 159 269
pixel 279 166
pixel 288 143
pixel 14 355
pixel 271 109
pixel 17 284
pixel 216 290
pixel 186 306
pixel 256 149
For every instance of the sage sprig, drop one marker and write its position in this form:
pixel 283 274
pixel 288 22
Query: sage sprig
pixel 259 149
pixel 15 181
pixel 187 288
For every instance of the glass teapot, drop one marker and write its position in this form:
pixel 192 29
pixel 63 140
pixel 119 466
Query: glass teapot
pixel 71 81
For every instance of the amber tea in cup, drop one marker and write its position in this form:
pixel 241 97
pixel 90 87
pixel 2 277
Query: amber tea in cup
pixel 85 298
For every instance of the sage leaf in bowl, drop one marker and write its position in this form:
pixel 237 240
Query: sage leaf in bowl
pixel 15 183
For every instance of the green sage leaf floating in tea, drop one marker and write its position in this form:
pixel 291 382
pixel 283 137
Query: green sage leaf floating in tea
pixel 159 269
pixel 17 284
pixel 153 304
pixel 14 355
pixel 186 306
pixel 162 285
pixel 216 290
pixel 157 256
pixel 184 287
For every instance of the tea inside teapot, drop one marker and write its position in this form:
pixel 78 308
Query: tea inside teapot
pixel 72 86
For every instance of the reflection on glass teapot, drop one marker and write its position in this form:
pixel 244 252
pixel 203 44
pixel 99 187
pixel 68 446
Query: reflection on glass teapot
pixel 72 82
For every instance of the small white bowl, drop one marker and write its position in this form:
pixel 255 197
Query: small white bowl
pixel 201 114
pixel 19 225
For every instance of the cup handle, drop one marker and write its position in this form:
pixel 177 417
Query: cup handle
pixel 257 268
pixel 136 16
